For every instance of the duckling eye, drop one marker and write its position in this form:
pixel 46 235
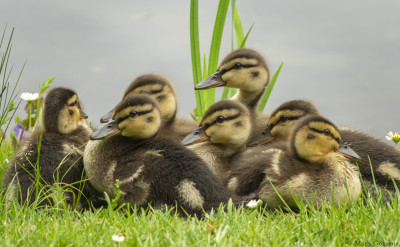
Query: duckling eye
pixel 160 98
pixel 283 118
pixel 220 119
pixel 133 114
pixel 238 65
pixel 327 132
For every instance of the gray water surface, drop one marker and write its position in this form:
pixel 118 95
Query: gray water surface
pixel 344 56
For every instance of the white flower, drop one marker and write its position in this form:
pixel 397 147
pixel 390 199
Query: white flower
pixel 393 137
pixel 29 96
pixel 254 203
pixel 7 161
pixel 117 238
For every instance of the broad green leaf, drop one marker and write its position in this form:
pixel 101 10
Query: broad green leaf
pixel 268 91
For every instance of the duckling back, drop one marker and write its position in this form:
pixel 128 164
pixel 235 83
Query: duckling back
pixel 151 170
pixel 383 158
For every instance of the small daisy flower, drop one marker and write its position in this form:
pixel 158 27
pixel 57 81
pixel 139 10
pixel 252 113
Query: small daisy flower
pixel 393 137
pixel 117 238
pixel 254 203
pixel 6 161
pixel 29 96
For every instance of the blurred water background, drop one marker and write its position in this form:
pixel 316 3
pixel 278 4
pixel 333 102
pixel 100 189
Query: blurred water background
pixel 344 56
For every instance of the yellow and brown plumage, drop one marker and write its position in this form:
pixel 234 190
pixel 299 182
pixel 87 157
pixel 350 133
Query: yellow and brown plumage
pixel 221 135
pixel 246 70
pixel 384 159
pixel 52 157
pixel 151 170
pixel 312 166
pixel 161 90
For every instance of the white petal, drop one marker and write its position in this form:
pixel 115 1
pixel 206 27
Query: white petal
pixel 252 203
pixel 35 96
pixel 117 238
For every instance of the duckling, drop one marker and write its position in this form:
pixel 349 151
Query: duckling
pixel 314 164
pixel 221 135
pixel 247 70
pixel 151 170
pixel 54 153
pixel 161 90
pixel 385 159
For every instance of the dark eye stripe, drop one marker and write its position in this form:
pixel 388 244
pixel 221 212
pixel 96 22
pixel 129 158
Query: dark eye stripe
pixel 225 119
pixel 288 119
pixel 322 132
pixel 243 66
pixel 73 103
pixel 155 91
pixel 138 114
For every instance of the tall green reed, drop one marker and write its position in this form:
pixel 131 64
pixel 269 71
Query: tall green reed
pixel 205 98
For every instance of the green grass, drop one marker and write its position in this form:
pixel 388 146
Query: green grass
pixel 368 222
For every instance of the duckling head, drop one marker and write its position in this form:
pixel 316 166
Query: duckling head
pixel 244 69
pixel 136 117
pixel 62 111
pixel 315 137
pixel 226 122
pixel 283 120
pixel 157 87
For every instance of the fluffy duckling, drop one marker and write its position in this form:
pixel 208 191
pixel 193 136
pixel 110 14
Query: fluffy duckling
pixel 315 163
pixel 246 70
pixel 221 135
pixel 157 171
pixel 54 153
pixel 161 90
pixel 385 159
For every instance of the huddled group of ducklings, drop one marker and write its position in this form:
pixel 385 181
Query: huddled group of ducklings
pixel 233 153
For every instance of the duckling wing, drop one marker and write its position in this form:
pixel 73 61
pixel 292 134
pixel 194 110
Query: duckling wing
pixel 384 158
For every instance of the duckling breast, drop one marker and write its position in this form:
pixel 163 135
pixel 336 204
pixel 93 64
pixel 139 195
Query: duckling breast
pixel 345 179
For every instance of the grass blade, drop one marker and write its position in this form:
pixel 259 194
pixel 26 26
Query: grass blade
pixel 237 23
pixel 268 91
pixel 243 44
pixel 216 45
pixel 225 93
pixel 195 52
